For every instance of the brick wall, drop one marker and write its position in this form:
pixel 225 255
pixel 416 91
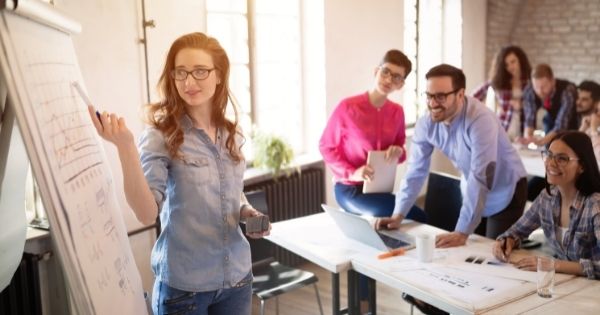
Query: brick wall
pixel 562 33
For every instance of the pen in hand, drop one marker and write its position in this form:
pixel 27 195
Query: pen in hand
pixel 507 246
pixel 85 98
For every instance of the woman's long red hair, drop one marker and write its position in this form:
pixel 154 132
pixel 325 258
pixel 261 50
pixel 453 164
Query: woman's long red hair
pixel 166 114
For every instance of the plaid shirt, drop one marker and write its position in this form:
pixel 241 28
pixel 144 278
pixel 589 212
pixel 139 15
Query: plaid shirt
pixel 503 97
pixel 581 241
pixel 565 104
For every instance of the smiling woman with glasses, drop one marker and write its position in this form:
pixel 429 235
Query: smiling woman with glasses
pixel 367 122
pixel 568 210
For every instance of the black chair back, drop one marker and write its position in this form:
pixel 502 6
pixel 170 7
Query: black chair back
pixel 443 201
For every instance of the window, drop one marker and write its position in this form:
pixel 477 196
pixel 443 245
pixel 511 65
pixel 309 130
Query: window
pixel 265 40
pixel 432 35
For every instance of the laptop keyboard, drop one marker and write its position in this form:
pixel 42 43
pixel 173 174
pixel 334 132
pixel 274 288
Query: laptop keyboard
pixel 392 242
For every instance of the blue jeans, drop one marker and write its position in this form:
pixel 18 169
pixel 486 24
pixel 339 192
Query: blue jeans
pixel 236 300
pixel 351 199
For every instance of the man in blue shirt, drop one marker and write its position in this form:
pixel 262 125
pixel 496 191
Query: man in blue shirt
pixel 493 183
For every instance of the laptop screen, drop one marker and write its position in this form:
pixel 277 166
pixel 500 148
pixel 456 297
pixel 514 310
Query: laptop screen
pixel 392 242
pixel 359 229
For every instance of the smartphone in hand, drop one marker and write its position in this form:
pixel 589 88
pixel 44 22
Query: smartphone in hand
pixel 257 224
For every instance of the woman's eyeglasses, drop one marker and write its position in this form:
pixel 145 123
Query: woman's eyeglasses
pixel 198 74
pixel 387 73
pixel 559 159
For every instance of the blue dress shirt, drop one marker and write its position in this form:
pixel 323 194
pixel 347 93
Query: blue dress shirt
pixel 478 146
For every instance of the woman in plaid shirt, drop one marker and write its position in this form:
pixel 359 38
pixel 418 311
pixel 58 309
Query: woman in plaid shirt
pixel 568 210
pixel 509 74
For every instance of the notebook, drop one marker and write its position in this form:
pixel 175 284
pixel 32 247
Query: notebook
pixel 384 176
pixel 359 229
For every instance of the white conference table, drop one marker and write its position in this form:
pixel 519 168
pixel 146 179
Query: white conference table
pixel 317 238
pixel 576 296
pixel 436 283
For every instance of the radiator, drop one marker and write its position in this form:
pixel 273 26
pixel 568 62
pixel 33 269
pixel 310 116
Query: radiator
pixel 292 197
pixel 22 296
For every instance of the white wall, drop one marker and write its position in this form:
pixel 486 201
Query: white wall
pixel 357 35
pixel 474 41
pixel 171 22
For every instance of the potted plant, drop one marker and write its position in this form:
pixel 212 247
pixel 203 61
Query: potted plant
pixel 272 152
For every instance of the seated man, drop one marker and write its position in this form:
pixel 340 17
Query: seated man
pixel 552 100
pixel 588 109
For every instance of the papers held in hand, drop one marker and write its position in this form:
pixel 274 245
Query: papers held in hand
pixel 384 173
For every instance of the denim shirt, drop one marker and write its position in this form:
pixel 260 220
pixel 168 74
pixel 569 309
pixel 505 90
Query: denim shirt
pixel 201 246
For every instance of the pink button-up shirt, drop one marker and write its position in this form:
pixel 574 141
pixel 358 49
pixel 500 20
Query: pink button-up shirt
pixel 357 127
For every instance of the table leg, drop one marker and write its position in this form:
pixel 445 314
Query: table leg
pixel 372 296
pixel 335 293
pixel 353 299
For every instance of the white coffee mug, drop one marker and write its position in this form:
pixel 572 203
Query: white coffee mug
pixel 425 247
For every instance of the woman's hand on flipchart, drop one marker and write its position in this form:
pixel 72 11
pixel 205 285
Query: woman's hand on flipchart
pixel 111 128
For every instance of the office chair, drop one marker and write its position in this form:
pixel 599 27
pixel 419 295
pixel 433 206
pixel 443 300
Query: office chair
pixel 271 278
pixel 443 200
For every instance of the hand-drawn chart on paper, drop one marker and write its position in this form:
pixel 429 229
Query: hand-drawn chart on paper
pixel 70 164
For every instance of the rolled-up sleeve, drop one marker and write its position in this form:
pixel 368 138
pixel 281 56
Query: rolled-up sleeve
pixel 155 160
pixel 528 222
pixel 480 92
pixel 591 267
pixel 567 102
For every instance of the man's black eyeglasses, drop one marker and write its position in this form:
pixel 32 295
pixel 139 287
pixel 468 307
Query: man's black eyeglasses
pixel 439 97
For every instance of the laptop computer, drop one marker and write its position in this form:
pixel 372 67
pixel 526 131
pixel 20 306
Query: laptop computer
pixel 359 229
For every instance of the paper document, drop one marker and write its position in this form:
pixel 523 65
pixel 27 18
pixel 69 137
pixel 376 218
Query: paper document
pixel 384 176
